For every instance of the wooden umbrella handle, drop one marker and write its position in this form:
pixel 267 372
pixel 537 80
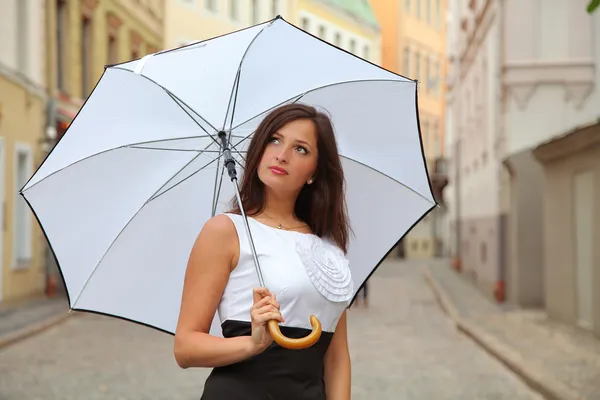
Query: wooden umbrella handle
pixel 295 344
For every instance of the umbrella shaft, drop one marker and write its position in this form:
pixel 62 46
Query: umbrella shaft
pixel 245 219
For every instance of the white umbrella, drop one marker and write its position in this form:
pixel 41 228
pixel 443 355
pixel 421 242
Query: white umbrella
pixel 121 198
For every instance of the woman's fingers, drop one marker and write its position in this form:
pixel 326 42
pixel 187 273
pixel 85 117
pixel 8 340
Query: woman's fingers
pixel 264 301
pixel 263 318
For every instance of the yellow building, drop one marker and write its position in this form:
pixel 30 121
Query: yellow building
pixel 414 45
pixel 192 20
pixel 22 118
pixel 103 32
pixel 347 24
pixel 82 37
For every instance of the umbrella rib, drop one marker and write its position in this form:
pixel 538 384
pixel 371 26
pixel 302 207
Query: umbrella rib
pixel 178 101
pixel 171 149
pixel 389 177
pixel 127 224
pixel 156 196
pixel 129 145
pixel 236 81
pixel 319 88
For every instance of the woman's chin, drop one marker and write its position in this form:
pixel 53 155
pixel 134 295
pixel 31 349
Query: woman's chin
pixel 279 184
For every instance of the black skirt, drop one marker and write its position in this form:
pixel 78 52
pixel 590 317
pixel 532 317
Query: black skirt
pixel 277 373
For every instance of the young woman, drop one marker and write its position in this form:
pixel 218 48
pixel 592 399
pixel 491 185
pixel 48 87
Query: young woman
pixel 293 194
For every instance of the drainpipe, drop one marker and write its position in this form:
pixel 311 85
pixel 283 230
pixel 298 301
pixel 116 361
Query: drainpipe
pixel 500 287
pixel 48 142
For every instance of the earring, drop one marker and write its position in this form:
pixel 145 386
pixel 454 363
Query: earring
pixel 310 181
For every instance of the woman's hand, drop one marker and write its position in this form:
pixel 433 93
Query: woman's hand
pixel 265 308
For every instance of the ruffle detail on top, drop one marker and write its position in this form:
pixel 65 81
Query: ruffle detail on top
pixel 326 266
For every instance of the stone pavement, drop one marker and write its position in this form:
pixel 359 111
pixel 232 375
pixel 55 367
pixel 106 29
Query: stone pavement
pixel 22 319
pixel 561 362
pixel 402 347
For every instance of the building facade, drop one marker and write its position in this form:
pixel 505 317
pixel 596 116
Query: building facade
pixel 193 20
pixel 525 99
pixel 414 45
pixel 81 38
pixel 22 118
pixel 347 24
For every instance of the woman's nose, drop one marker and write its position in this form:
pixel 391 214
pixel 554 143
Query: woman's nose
pixel 283 156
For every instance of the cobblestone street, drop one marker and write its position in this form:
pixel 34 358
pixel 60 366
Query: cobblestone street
pixel 403 347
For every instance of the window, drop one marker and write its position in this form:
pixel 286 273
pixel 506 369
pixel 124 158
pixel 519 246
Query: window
pixel 407 61
pixel 61 43
pixel 418 8
pixel 483 251
pixel 425 137
pixel 428 12
pixel 255 12
pixel 22 36
pixel 112 50
pixel 275 7
pixel 321 33
pixel 353 46
pixel 428 74
pixel 417 66
pixel 86 55
pixel 438 14
pixel 408 5
pixel 22 235
pixel 438 75
pixel 234 12
pixel 305 24
pixel 437 141
pixel 337 39
pixel 211 5
pixel 366 52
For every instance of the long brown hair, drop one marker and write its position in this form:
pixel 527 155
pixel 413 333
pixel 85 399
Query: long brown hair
pixel 322 204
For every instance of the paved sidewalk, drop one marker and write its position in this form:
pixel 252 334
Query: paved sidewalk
pixel 21 320
pixel 561 362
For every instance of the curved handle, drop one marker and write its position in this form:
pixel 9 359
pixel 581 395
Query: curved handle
pixel 295 344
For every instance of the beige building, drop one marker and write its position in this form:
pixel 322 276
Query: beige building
pixel 348 24
pixel 192 20
pixel 107 32
pixel 414 45
pixel 22 119
pixel 82 37
pixel 524 175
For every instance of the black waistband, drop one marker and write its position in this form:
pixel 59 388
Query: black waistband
pixel 276 361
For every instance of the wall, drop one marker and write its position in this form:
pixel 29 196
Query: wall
pixel 563 246
pixel 22 117
pixel 552 55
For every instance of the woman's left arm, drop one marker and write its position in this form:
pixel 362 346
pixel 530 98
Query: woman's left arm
pixel 337 364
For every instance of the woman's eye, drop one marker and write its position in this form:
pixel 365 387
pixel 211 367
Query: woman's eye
pixel 302 149
pixel 273 140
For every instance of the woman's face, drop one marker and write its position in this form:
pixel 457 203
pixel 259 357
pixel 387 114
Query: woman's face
pixel 290 157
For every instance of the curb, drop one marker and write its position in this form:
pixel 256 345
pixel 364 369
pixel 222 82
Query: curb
pixel 32 329
pixel 532 376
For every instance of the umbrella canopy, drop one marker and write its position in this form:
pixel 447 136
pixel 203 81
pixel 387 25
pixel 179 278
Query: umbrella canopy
pixel 123 195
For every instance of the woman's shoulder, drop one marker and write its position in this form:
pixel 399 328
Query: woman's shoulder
pixel 219 227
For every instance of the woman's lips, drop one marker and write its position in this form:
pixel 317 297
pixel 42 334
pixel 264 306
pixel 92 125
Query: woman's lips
pixel 278 170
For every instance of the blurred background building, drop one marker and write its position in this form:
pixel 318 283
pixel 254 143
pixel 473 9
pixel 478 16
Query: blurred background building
pixel 524 181
pixel 414 45
pixel 51 55
pixel 23 101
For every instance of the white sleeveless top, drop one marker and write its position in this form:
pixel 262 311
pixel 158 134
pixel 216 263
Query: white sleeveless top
pixel 308 275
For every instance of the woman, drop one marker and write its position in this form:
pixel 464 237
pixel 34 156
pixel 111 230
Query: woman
pixel 293 194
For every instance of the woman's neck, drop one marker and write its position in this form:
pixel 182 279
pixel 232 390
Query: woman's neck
pixel 280 207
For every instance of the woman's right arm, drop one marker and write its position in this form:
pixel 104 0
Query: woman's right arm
pixel 207 273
